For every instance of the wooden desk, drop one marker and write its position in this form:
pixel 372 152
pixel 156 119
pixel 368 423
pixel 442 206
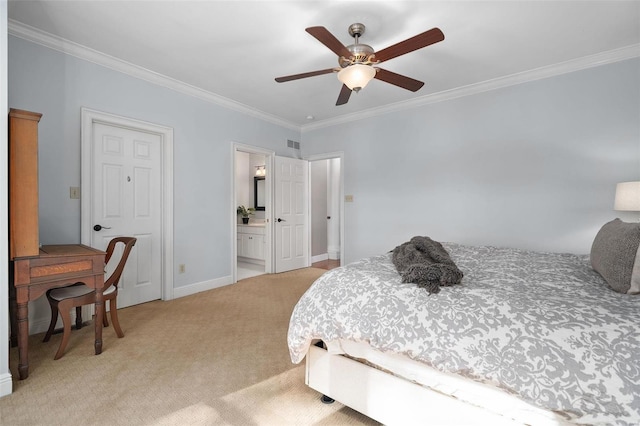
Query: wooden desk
pixel 55 266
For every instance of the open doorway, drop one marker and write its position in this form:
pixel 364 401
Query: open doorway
pixel 252 168
pixel 325 176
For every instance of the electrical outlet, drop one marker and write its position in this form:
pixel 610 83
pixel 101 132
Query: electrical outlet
pixel 74 193
pixel 181 268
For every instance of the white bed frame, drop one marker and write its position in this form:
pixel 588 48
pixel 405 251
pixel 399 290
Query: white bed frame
pixel 390 399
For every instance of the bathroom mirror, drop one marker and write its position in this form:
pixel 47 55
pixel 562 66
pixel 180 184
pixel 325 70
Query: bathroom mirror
pixel 258 192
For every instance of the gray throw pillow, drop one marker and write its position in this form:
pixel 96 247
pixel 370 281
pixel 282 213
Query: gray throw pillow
pixel 615 254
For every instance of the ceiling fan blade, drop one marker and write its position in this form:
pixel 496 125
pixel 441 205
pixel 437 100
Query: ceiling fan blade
pixel 304 75
pixel 398 80
pixel 325 37
pixel 344 95
pixel 432 36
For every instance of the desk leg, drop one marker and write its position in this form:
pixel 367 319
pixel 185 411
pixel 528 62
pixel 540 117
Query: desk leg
pixel 13 318
pixel 98 320
pixel 23 339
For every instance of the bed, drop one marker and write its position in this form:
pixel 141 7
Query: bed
pixel 526 338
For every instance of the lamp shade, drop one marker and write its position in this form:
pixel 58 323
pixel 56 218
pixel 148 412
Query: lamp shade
pixel 356 76
pixel 627 197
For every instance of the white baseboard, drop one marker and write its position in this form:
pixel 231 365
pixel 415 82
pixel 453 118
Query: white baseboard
pixel 250 260
pixel 190 289
pixel 41 325
pixel 6 384
pixel 334 253
pixel 319 258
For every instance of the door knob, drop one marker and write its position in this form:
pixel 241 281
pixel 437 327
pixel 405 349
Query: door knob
pixel 281 220
pixel 99 227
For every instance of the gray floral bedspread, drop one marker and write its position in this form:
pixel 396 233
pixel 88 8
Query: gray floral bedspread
pixel 542 325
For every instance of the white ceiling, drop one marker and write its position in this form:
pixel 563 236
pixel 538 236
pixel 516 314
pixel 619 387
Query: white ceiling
pixel 235 49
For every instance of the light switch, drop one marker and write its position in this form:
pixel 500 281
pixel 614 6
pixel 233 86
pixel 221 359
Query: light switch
pixel 74 193
pixel 348 198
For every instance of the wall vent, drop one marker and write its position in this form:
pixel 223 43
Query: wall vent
pixel 293 144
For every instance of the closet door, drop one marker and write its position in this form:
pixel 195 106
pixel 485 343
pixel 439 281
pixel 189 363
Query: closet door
pixel 291 214
pixel 126 200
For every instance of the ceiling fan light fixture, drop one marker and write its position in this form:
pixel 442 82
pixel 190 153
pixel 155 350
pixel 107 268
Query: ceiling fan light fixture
pixel 356 76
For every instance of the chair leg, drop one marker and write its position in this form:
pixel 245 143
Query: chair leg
pixel 66 322
pixel 113 309
pixel 54 319
pixel 78 317
pixel 105 320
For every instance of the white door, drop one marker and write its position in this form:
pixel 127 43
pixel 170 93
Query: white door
pixel 126 193
pixel 291 216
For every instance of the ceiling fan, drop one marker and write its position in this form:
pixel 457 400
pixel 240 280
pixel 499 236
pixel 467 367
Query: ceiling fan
pixel 357 60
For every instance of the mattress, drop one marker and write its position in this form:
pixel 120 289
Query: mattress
pixel 543 327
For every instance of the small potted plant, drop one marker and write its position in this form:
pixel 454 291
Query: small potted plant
pixel 245 213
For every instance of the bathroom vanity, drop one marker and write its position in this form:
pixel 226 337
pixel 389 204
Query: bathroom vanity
pixel 250 242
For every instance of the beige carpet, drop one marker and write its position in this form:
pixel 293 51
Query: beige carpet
pixel 217 357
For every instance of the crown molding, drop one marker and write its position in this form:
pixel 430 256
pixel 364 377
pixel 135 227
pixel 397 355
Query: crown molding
pixel 45 39
pixel 35 35
pixel 603 58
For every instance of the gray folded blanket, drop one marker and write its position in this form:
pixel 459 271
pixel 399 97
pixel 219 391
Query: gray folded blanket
pixel 425 262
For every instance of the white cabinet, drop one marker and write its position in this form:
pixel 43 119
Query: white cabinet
pixel 251 246
pixel 250 241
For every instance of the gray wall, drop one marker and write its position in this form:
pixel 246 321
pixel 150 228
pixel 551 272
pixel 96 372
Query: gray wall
pixel 58 85
pixel 531 166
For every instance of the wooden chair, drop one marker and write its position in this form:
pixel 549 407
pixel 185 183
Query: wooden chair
pixel 64 298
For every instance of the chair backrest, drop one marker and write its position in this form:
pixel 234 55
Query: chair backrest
pixel 114 278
